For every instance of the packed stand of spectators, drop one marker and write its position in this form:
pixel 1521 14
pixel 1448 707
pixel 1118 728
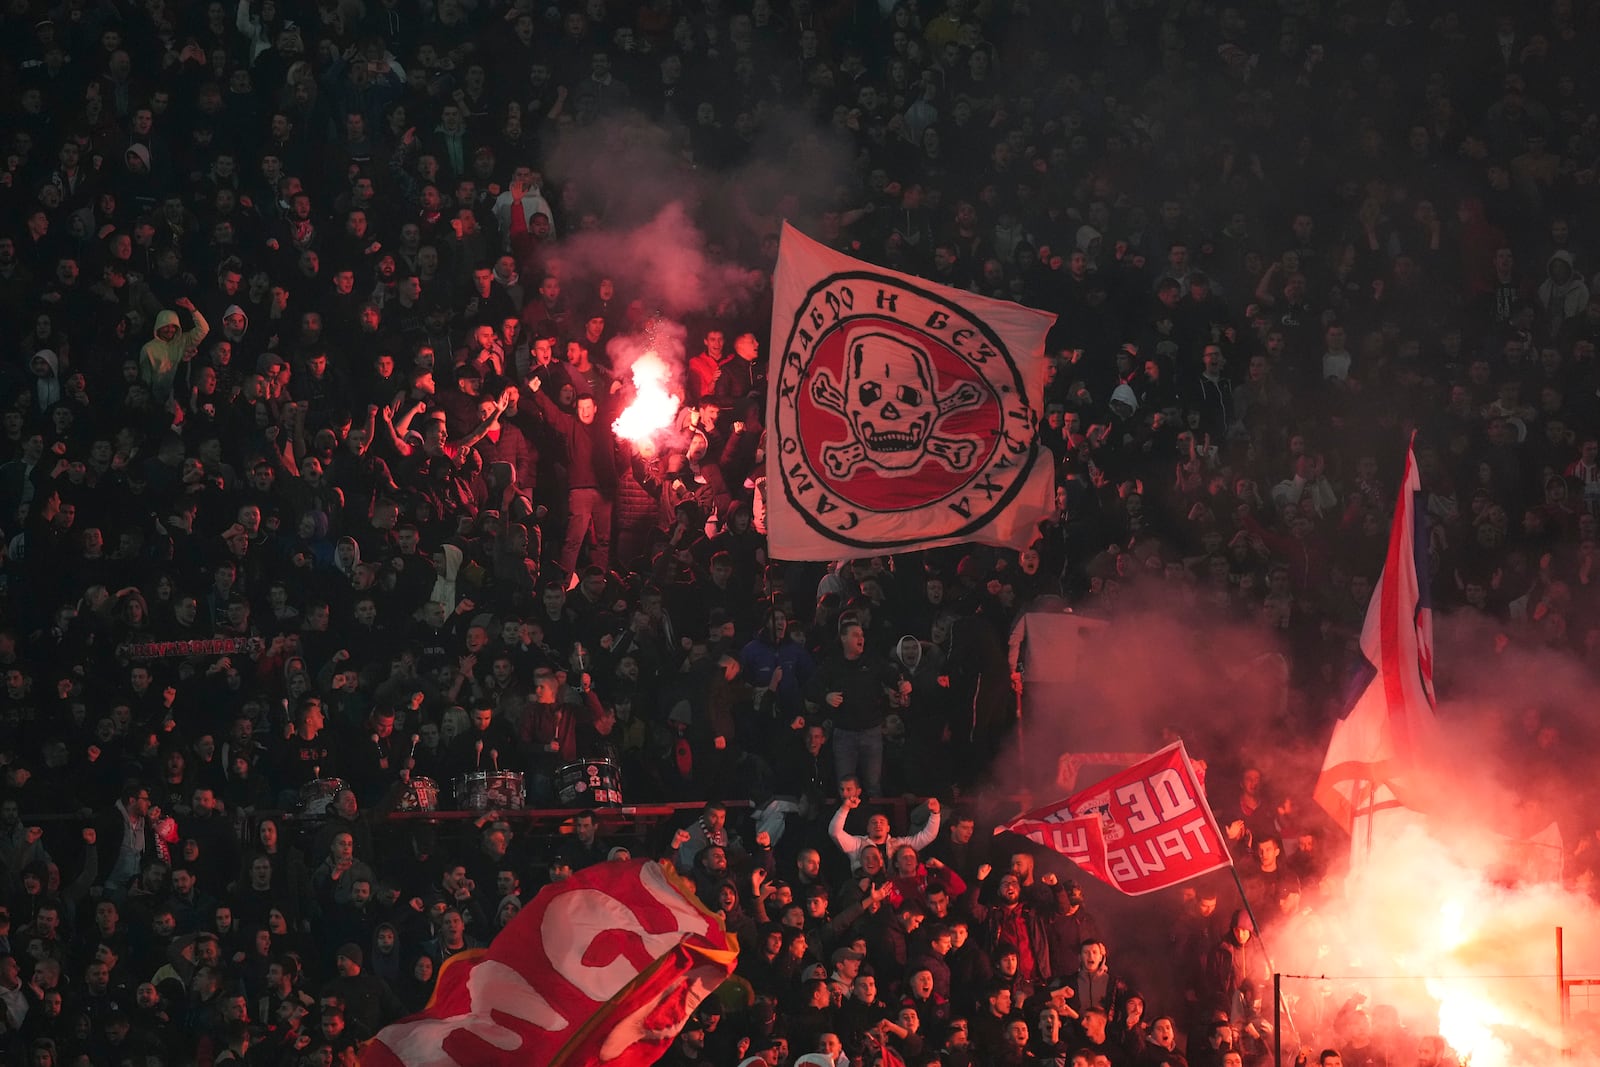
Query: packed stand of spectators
pixel 296 364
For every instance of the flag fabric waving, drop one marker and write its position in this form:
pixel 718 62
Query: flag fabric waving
pixel 901 414
pixel 602 969
pixel 1142 829
pixel 1373 761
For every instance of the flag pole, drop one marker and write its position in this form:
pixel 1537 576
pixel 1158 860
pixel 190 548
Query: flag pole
pixel 1248 910
pixel 1564 1003
pixel 1277 1018
pixel 1022 741
pixel 1372 803
pixel 1277 990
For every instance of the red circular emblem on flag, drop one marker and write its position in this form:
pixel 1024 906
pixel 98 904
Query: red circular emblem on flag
pixel 893 401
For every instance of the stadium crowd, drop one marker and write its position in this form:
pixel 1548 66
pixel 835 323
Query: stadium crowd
pixel 308 475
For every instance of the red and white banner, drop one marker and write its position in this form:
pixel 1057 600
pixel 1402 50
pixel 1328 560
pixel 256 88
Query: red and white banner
pixel 1142 829
pixel 602 969
pixel 900 414
pixel 1374 764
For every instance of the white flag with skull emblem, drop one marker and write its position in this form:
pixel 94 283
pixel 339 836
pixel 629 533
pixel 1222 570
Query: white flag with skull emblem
pixel 900 414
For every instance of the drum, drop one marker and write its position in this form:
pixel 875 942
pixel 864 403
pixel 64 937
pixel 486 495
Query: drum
pixel 419 794
pixel 595 783
pixel 490 791
pixel 316 796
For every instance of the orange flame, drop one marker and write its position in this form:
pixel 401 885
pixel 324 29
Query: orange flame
pixel 653 407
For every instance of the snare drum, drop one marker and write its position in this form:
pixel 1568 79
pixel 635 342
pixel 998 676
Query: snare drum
pixel 595 783
pixel 316 796
pixel 420 794
pixel 490 791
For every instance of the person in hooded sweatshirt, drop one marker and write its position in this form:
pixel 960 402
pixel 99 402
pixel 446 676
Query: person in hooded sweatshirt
pixel 164 353
pixel 385 961
pixel 929 715
pixel 448 561
pixel 46 367
pixel 138 187
pixel 1563 294
pixel 244 349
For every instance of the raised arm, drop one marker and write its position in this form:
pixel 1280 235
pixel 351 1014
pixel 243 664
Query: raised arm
pixel 288 449
pixel 199 328
pixel 476 434
pixel 925 836
pixel 847 842
pixel 372 429
pixel 404 425
pixel 561 420
pixel 395 438
pixel 1264 294
pixel 953 882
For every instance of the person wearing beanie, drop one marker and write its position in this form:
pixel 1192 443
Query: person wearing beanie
pixel 370 1004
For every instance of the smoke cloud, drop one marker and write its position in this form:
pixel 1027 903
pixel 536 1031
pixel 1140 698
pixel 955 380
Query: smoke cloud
pixel 1162 669
pixel 685 238
pixel 665 261
pixel 1450 927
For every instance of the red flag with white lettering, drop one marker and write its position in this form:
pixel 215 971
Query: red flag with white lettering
pixel 602 969
pixel 1142 829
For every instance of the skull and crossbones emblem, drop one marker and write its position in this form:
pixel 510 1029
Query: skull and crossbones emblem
pixel 889 399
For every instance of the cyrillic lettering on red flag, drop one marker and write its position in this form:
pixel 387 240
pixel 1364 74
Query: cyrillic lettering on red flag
pixel 1142 829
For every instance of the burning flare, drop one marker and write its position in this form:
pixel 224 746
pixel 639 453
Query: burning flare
pixel 1469 1011
pixel 1462 945
pixel 653 407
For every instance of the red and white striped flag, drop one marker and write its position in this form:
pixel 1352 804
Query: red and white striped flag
pixel 604 968
pixel 1374 759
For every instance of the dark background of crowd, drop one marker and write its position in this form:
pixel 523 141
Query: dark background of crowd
pixel 312 314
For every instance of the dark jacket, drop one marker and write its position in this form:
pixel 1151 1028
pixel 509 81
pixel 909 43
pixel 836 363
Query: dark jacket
pixel 862 681
pixel 110 827
pixel 1015 923
pixel 369 1003
pixel 590 461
